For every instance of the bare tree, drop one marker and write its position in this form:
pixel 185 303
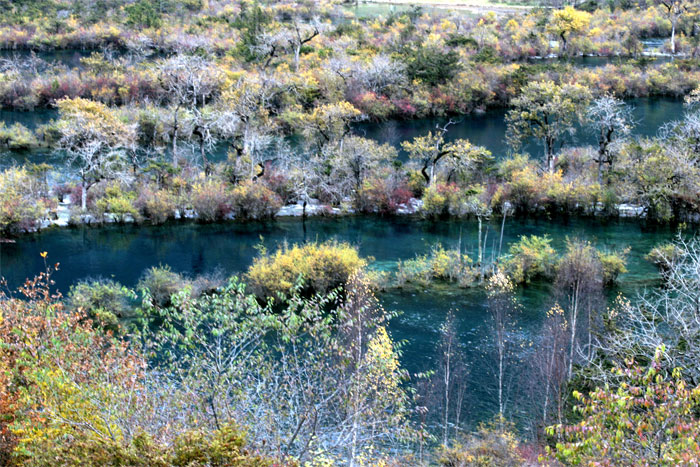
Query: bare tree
pixel 675 9
pixel 204 124
pixel 187 81
pixel 359 159
pixel 244 121
pixel 95 141
pixel 579 284
pixel 666 319
pixel 452 376
pixel 547 372
pixel 300 34
pixel 611 119
pixel 378 75
pixel 502 307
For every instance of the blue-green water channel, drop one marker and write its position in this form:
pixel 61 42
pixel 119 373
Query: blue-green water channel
pixel 487 129
pixel 124 252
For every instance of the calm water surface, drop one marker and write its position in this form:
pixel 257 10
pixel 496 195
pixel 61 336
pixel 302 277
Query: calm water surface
pixel 488 129
pixel 124 252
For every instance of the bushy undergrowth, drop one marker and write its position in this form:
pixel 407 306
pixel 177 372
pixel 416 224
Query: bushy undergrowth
pixel 441 264
pixel 315 267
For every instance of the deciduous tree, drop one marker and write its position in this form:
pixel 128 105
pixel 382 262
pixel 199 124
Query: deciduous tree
pixel 95 140
pixel 546 111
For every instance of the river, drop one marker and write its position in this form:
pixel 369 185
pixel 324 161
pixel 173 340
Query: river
pixel 124 252
pixel 487 129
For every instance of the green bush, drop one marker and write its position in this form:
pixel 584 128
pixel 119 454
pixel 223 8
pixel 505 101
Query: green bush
pixel 20 206
pixel 443 200
pixel 160 283
pixel 17 136
pixel 531 258
pixel 105 302
pixel 614 263
pixel 143 13
pixel 117 202
pixel 225 447
pixel 439 264
pixel 663 256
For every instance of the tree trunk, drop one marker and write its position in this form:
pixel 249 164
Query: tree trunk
pixel 503 226
pixel 480 252
pixel 447 393
pixel 673 38
pixel 500 379
pixel 574 317
pixel 83 197
pixel 205 161
pixel 175 130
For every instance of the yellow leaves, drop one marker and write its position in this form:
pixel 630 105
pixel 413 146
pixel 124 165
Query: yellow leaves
pixel 447 26
pixel 555 311
pixel 329 121
pixel 382 360
pixel 595 32
pixel 499 283
pixel 320 267
pixel 569 20
pixel 433 40
pixel 83 115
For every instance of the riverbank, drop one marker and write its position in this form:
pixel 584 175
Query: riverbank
pixel 65 215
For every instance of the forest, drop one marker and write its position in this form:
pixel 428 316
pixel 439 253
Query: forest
pixel 349 233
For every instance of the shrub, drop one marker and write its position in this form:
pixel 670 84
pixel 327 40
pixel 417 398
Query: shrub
pixel 280 184
pixel 207 283
pixel 442 200
pixel 531 258
pixel 317 267
pixel 528 190
pixel 663 256
pixel 17 136
pixel 211 201
pixel 76 197
pixel 382 196
pixel 62 190
pixel 104 301
pixel 20 206
pixel 492 444
pixel 614 263
pixel 117 202
pixel 224 447
pixel 650 418
pixel 252 200
pixel 376 106
pixel 157 206
pixel 160 283
pixel 439 264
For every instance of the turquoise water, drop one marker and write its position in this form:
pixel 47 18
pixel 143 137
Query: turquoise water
pixel 124 252
pixel 487 129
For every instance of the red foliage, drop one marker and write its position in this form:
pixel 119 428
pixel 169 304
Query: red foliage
pixel 383 196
